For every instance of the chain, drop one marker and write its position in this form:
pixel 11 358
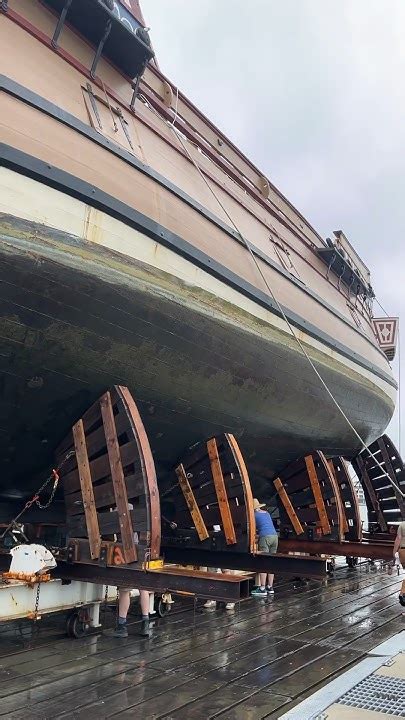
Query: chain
pixel 55 476
pixel 37 602
pixel 105 605
pixel 35 498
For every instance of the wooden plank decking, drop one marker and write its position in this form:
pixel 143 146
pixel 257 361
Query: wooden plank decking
pixel 253 663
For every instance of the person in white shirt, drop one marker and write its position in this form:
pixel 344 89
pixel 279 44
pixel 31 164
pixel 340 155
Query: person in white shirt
pixel 399 547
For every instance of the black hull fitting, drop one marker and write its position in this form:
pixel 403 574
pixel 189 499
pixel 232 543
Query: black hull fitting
pixel 66 336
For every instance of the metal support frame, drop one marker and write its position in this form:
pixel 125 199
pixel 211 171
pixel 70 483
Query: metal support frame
pixel 372 550
pixel 229 588
pixel 60 23
pixel 295 565
pixel 100 48
pixel 17 599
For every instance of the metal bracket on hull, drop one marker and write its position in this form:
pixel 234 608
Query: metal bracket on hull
pixel 135 88
pixel 94 104
pixel 124 126
pixel 127 49
pixel 100 48
pixel 60 23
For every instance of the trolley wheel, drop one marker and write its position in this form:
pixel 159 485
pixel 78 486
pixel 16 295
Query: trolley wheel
pixel 351 562
pixel 77 625
pixel 163 608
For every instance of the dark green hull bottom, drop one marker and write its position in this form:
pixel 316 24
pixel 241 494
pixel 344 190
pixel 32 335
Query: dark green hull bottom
pixel 66 335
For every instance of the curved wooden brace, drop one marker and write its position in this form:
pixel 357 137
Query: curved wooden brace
pixel 247 490
pixel 210 505
pixel 348 499
pixel 148 469
pixel 309 501
pixel 385 505
pixel 110 484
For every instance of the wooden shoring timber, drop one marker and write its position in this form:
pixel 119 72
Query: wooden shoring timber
pixel 247 491
pixel 121 493
pixel 212 479
pixel 151 490
pixel 83 468
pixel 316 489
pixel 219 483
pixel 370 494
pixel 390 454
pixel 288 506
pixel 349 500
pixel 345 524
pixel 382 476
pixel 195 513
pixel 308 500
pixel 117 475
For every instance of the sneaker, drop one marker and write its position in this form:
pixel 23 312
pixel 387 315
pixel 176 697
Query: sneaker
pixel 269 590
pixel 230 606
pixel 401 599
pixel 258 592
pixel 121 631
pixel 145 629
pixel 211 604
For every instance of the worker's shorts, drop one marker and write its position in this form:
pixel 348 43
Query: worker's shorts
pixel 268 544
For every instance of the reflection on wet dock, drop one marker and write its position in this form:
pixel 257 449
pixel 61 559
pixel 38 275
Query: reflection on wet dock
pixel 254 663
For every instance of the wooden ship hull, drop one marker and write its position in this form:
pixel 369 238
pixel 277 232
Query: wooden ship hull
pixel 130 257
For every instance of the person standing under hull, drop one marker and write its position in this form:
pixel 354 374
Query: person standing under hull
pixel 124 601
pixel 399 547
pixel 267 543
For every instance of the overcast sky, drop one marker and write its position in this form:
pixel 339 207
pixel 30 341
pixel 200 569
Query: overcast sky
pixel 312 91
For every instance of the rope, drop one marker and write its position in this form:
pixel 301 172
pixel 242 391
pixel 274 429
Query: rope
pixel 399 381
pixel 281 310
pixel 172 123
pixel 399 393
pixel 382 308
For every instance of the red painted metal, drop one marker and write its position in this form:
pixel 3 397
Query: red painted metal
pixel 374 550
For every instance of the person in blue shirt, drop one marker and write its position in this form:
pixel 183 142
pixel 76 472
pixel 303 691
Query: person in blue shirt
pixel 267 542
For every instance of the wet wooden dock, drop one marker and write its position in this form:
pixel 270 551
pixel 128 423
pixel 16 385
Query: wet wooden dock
pixel 254 663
